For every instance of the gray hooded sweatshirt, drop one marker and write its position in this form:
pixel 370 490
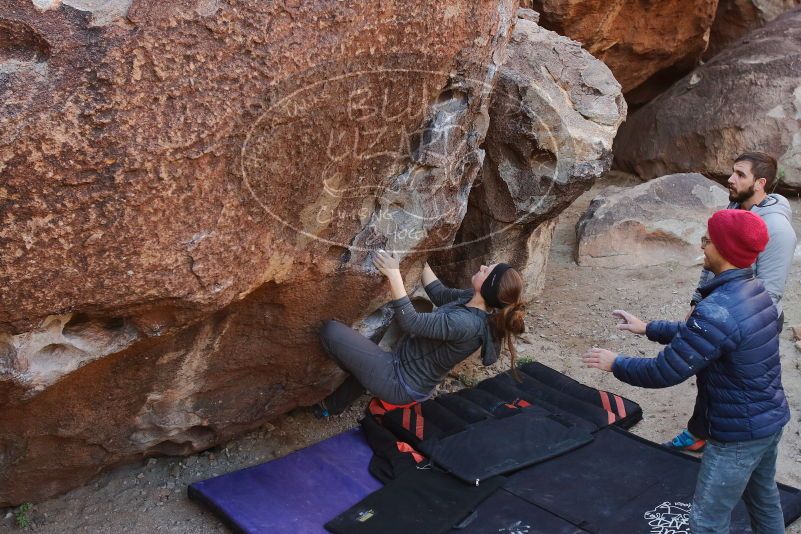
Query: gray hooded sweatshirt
pixel 773 264
pixel 435 342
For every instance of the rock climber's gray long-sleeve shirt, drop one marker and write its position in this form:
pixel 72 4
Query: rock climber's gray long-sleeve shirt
pixel 773 264
pixel 435 342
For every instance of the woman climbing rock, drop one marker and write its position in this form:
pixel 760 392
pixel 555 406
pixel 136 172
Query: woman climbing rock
pixel 485 316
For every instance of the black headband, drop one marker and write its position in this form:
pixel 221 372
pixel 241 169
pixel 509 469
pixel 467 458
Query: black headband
pixel 489 289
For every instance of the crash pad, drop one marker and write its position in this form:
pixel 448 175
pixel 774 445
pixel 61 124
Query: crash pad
pixel 294 494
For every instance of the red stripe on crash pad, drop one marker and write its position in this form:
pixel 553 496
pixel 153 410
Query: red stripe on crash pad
pixel 418 410
pixel 389 407
pixel 405 447
pixel 376 408
pixel 607 406
pixel 621 409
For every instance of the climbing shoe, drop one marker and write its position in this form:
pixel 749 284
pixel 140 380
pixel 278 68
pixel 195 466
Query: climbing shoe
pixel 686 442
pixel 320 411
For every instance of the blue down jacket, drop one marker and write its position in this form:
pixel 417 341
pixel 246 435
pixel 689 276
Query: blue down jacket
pixel 731 341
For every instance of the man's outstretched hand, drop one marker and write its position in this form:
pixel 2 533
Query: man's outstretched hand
pixel 629 322
pixel 600 359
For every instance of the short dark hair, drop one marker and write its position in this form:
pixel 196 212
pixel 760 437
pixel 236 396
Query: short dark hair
pixel 762 166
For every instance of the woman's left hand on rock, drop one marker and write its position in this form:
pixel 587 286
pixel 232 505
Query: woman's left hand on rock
pixel 388 264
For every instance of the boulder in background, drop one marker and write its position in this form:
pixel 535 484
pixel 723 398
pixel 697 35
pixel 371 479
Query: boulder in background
pixel 554 114
pixel 656 222
pixel 746 98
pixel 735 18
pixel 637 40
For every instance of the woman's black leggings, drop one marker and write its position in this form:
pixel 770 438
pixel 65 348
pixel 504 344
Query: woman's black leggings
pixel 370 366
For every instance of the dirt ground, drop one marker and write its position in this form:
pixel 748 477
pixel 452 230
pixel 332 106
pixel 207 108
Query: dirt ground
pixel 572 314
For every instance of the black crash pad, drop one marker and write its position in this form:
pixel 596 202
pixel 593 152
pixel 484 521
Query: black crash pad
pixel 499 446
pixel 623 483
pixel 418 501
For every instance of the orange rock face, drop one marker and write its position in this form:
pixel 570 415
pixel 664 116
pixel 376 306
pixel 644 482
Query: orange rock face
pixel 636 39
pixel 709 117
pixel 191 186
pixel 736 18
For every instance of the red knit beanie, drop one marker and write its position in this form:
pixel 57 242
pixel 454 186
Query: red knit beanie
pixel 738 235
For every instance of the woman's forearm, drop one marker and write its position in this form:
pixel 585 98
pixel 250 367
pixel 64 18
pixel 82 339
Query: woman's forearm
pixel 396 285
pixel 428 275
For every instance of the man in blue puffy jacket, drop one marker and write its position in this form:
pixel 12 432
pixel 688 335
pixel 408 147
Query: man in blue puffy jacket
pixel 752 177
pixel 731 343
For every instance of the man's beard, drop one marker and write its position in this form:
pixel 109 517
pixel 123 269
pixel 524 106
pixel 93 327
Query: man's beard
pixel 739 198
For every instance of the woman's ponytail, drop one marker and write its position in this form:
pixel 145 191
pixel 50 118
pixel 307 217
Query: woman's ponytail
pixel 509 321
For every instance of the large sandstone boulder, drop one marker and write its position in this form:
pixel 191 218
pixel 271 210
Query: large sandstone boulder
pixel 656 222
pixel 554 114
pixel 735 18
pixel 637 39
pixel 191 186
pixel 748 97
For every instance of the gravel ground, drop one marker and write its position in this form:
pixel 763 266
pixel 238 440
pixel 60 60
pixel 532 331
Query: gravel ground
pixel 572 314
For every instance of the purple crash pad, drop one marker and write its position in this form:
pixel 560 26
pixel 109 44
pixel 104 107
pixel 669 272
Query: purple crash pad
pixel 294 494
